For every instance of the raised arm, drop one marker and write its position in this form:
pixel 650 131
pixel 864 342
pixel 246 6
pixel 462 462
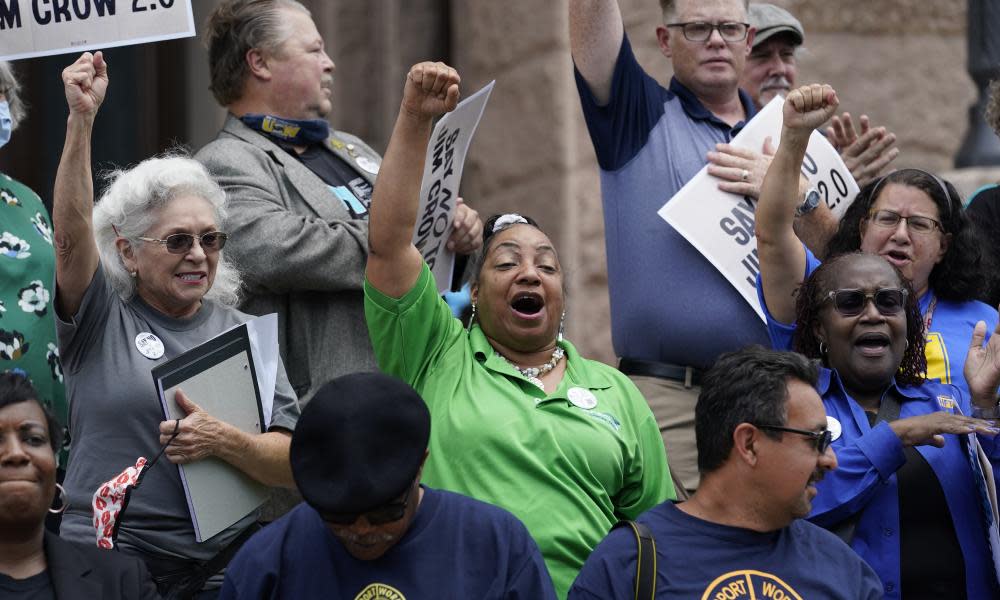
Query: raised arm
pixel 85 83
pixel 782 257
pixel 595 37
pixel 394 263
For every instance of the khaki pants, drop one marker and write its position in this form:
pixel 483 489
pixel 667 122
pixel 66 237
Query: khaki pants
pixel 673 407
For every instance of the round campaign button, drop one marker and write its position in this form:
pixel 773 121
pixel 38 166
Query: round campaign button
pixel 149 345
pixel 368 164
pixel 585 399
pixel 834 426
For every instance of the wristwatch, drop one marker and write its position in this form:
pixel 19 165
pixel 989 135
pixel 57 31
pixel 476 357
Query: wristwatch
pixel 992 412
pixel 809 204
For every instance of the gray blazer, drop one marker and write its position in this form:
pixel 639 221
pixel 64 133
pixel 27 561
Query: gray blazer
pixel 301 253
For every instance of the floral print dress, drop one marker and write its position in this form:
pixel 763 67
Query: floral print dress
pixel 27 292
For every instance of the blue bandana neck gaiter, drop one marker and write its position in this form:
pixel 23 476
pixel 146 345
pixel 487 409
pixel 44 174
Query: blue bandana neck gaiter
pixel 298 132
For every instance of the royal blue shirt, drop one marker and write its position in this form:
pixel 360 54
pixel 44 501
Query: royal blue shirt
pixel 699 559
pixel 865 481
pixel 456 547
pixel 948 337
pixel 668 303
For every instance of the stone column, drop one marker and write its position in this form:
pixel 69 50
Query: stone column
pixel 981 146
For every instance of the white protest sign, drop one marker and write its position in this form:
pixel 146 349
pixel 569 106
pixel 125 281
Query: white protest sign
pixel 721 225
pixel 439 187
pixel 31 28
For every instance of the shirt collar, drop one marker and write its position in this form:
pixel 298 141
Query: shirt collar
pixel 697 111
pixel 830 382
pixel 575 369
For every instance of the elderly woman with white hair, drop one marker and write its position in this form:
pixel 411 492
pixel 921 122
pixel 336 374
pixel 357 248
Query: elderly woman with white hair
pixel 147 262
pixel 27 273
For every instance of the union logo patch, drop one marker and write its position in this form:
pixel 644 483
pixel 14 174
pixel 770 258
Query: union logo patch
pixel 379 591
pixel 748 584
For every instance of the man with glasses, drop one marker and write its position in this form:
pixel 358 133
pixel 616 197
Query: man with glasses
pixel 763 443
pixel 672 312
pixel 367 528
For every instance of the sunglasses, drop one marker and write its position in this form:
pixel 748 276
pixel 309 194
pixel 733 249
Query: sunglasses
pixel 821 439
pixel 851 303
pixel 181 243
pixel 389 513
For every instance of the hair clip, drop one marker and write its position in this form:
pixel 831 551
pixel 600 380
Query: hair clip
pixel 508 220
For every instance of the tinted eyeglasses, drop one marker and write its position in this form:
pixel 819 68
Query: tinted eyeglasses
pixel 389 513
pixel 180 243
pixel 915 223
pixel 821 439
pixel 699 31
pixel 851 303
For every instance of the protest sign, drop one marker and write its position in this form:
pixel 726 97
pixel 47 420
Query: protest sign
pixel 439 187
pixel 30 28
pixel 721 225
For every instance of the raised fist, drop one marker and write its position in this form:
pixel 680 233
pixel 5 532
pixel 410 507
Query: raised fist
pixel 808 107
pixel 431 90
pixel 86 82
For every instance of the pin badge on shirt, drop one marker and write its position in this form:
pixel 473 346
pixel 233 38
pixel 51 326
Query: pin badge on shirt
pixel 149 345
pixel 367 164
pixel 582 398
pixel 835 428
pixel 946 403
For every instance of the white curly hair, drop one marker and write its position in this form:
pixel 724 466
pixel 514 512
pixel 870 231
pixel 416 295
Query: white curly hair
pixel 130 204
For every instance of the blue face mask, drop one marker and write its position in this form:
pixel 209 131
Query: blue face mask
pixel 6 123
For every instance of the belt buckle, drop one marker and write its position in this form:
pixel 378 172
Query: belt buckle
pixel 688 377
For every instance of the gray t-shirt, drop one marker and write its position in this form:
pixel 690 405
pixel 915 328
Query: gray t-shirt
pixel 115 414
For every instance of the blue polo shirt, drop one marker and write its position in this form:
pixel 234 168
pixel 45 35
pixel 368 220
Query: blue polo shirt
pixel 668 303
pixel 865 481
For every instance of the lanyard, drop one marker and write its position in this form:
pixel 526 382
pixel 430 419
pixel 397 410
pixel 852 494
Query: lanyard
pixel 929 317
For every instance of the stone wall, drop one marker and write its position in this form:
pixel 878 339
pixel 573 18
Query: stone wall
pixel 904 65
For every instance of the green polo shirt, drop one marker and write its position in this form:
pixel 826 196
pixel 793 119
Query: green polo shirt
pixel 569 472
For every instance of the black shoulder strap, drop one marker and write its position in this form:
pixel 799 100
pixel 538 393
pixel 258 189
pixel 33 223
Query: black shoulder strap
pixel 645 562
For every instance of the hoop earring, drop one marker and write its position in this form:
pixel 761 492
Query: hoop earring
pixel 822 349
pixel 562 327
pixel 472 318
pixel 907 347
pixel 63 501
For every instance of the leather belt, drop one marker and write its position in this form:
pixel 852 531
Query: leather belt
pixel 689 376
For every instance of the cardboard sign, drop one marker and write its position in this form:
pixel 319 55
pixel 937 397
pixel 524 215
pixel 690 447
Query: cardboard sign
pixel 721 225
pixel 439 187
pixel 30 28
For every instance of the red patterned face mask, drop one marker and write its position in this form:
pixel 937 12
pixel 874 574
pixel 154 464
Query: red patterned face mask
pixel 111 498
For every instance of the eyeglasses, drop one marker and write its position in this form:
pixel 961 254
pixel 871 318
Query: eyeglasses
pixel 821 439
pixel 389 513
pixel 915 223
pixel 180 243
pixel 850 303
pixel 699 31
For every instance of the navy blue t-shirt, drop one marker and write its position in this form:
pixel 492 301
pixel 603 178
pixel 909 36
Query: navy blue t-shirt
pixel 699 559
pixel 456 547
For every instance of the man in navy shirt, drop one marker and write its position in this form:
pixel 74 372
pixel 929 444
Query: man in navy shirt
pixel 763 444
pixel 367 528
pixel 672 312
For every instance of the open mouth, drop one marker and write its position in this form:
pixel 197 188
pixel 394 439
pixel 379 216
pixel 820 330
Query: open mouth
pixel 527 305
pixel 872 344
pixel 191 278
pixel 897 257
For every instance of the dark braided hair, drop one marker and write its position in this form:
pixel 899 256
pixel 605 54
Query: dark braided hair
pixel 960 275
pixel 809 301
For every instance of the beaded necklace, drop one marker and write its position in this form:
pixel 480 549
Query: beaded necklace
pixel 534 374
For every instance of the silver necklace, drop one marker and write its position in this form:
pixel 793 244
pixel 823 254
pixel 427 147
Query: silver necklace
pixel 534 374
